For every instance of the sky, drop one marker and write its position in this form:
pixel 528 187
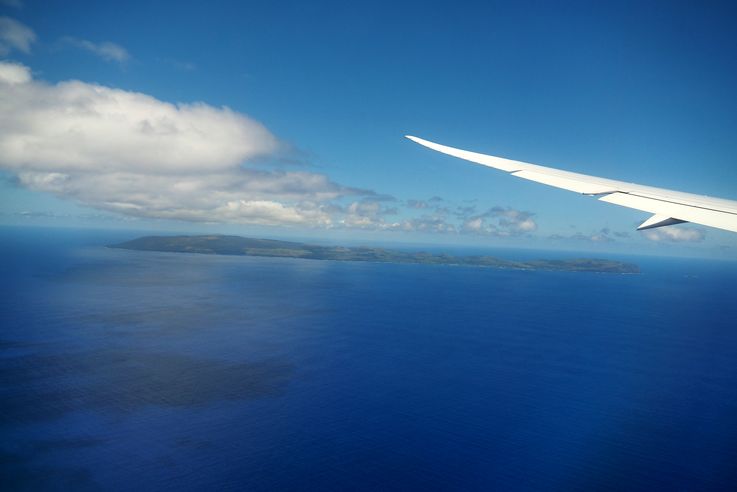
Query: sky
pixel 286 119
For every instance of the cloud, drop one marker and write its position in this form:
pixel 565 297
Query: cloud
pixel 596 237
pixel 603 235
pixel 372 213
pixel 130 153
pixel 675 234
pixel 75 126
pixel 427 223
pixel 15 35
pixel 14 73
pixel 106 50
pixel 140 157
pixel 368 213
pixel 498 221
pixel 184 66
pixel 514 220
pixel 434 203
pixel 35 214
pixel 418 204
pixel 662 234
pixel 463 212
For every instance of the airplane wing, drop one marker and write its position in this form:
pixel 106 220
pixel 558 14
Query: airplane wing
pixel 668 207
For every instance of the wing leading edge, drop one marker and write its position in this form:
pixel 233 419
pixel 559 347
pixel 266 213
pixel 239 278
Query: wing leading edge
pixel 668 207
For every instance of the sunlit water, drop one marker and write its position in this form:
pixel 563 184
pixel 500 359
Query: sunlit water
pixel 126 370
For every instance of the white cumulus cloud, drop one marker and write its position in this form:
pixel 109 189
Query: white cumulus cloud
pixel 131 153
pixel 675 234
pixel 14 73
pixel 15 35
pixel 76 126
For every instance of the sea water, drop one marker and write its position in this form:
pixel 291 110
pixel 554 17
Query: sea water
pixel 126 370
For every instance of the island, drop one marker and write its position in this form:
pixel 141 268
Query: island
pixel 244 246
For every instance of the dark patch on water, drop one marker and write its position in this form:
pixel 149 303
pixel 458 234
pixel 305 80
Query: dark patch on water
pixel 40 387
pixel 199 444
pixel 65 444
pixel 21 473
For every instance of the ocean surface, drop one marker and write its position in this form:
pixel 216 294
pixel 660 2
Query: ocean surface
pixel 124 370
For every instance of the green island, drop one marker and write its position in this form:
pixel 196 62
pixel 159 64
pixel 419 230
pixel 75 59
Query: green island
pixel 243 246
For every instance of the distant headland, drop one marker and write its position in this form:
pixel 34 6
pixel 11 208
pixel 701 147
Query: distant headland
pixel 243 246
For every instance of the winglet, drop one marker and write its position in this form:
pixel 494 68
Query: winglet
pixel 659 221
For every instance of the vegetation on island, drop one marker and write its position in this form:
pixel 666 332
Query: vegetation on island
pixel 243 246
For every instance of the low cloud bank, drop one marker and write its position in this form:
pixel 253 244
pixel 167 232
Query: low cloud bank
pixel 133 154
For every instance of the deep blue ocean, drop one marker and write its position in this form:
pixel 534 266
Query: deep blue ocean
pixel 123 370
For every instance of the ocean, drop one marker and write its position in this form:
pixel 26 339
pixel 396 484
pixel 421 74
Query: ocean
pixel 125 370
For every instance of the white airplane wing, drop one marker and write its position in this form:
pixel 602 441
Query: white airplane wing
pixel 668 207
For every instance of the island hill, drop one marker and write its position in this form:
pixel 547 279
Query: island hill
pixel 243 246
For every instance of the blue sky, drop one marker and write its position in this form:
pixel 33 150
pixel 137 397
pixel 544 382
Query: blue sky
pixel 637 91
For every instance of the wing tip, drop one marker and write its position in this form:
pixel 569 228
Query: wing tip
pixel 426 143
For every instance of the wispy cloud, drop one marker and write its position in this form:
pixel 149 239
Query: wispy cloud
pixel 106 50
pixel 603 235
pixel 184 66
pixel 417 204
pixel 15 35
pixel 35 214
